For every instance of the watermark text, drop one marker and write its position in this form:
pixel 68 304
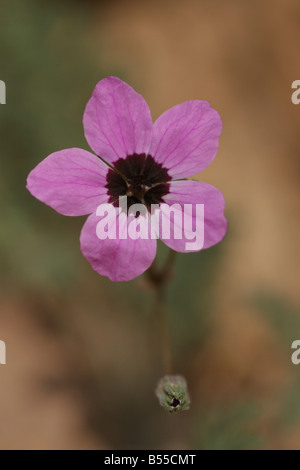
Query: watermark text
pixel 2 353
pixel 296 354
pixel 183 222
pixel 296 94
pixel 2 92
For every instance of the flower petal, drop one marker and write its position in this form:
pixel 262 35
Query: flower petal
pixel 71 181
pixel 117 121
pixel 118 259
pixel 186 138
pixel 215 224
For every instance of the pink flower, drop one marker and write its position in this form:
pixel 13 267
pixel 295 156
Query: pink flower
pixel 144 161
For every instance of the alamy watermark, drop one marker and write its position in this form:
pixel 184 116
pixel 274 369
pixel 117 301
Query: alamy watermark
pixel 296 94
pixel 2 344
pixel 2 353
pixel 296 354
pixel 168 222
pixel 2 92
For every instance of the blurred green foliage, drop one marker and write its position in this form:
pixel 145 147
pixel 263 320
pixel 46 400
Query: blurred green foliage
pixel 284 318
pixel 49 67
pixel 228 428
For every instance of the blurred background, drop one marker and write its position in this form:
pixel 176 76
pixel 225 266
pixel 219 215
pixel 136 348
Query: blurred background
pixel 83 354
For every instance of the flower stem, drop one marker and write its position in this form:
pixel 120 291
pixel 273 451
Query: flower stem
pixel 165 337
pixel 159 279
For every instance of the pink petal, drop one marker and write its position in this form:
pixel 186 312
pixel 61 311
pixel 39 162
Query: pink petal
pixel 71 181
pixel 186 138
pixel 117 121
pixel 215 223
pixel 118 259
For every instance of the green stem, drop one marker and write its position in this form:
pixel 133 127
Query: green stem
pixel 159 279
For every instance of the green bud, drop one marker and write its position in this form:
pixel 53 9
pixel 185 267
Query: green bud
pixel 172 393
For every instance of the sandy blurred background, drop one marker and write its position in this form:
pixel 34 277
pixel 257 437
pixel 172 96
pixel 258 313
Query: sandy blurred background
pixel 83 354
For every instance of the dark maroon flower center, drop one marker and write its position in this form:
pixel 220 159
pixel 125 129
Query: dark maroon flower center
pixel 140 178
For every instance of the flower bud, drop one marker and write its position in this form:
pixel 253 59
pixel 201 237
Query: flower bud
pixel 172 393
